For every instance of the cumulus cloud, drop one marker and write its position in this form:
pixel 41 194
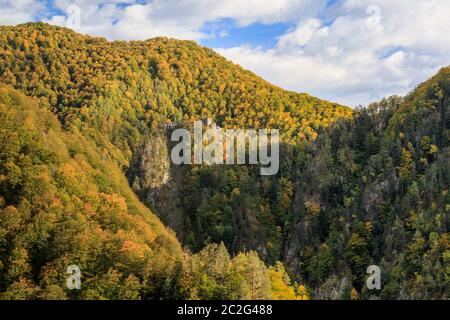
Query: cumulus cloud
pixel 133 20
pixel 360 52
pixel 18 11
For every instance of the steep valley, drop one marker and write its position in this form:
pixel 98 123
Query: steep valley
pixel 86 178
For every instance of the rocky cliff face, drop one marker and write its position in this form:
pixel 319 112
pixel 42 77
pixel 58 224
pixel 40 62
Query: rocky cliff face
pixel 156 180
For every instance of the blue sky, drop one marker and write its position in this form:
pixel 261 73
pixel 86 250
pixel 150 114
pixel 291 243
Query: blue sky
pixel 349 51
pixel 225 33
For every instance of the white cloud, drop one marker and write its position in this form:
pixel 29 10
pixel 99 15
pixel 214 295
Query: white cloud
pixel 362 55
pixel 302 35
pixel 181 19
pixel 18 11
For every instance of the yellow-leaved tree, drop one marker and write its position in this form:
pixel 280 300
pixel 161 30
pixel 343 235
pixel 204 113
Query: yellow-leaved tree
pixel 281 285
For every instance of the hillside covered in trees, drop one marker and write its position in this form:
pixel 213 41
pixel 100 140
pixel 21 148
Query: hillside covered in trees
pixel 63 203
pixel 85 172
pixel 371 190
pixel 65 151
pixel 375 190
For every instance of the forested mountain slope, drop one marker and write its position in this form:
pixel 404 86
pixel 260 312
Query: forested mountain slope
pixel 371 190
pixel 354 188
pixel 64 196
pixel 375 190
pixel 121 88
pixel 62 203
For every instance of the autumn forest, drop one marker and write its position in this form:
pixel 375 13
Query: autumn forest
pixel 86 179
